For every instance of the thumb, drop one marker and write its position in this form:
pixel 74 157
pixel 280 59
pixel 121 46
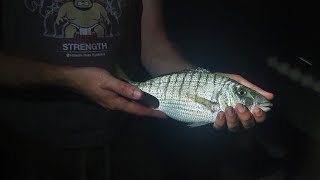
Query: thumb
pixel 248 84
pixel 123 88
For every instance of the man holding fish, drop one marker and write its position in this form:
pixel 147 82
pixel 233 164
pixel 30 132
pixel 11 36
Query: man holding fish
pixel 58 90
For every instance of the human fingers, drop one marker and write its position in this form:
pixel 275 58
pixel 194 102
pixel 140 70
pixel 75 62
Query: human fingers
pixel 123 104
pixel 258 114
pixel 231 118
pixel 244 116
pixel 220 120
pixel 122 88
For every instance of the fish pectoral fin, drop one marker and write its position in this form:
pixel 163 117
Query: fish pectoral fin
pixel 197 124
pixel 210 104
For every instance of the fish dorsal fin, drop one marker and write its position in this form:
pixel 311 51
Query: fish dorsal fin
pixel 207 103
pixel 197 69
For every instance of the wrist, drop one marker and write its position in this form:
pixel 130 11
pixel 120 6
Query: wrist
pixel 61 76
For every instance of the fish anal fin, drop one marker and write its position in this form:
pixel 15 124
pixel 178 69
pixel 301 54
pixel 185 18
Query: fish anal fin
pixel 197 124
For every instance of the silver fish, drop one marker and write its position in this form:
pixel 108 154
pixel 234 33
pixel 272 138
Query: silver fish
pixel 195 96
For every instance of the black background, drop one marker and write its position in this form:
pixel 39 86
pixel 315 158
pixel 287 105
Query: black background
pixel 237 37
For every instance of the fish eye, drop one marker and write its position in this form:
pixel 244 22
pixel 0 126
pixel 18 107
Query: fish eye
pixel 241 92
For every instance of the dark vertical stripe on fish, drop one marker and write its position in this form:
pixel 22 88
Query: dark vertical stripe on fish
pixel 175 83
pixel 159 85
pixel 207 78
pixel 198 83
pixel 214 78
pixel 222 85
pixel 150 85
pixel 214 83
pixel 153 85
pixel 181 85
pixel 167 85
pixel 190 80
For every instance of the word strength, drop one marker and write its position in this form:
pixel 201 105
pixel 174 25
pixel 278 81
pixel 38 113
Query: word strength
pixel 84 47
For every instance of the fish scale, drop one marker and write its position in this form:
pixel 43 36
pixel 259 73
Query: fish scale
pixel 196 96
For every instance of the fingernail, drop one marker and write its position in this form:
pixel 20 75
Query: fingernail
pixel 137 94
pixel 258 112
pixel 221 115
pixel 241 108
pixel 230 112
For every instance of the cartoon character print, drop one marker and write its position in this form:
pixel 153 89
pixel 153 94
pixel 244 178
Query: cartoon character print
pixel 83 18
pixel 82 28
pixel 73 18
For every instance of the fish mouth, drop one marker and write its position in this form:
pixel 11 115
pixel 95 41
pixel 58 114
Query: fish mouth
pixel 265 106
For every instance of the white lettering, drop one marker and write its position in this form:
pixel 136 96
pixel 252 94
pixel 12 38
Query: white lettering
pixel 65 47
pixel 76 47
pixel 88 46
pixel 85 47
pixel 104 46
pixel 94 47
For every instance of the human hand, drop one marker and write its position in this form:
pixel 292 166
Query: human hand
pixel 109 92
pixel 232 117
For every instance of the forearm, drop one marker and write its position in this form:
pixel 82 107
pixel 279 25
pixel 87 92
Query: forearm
pixel 163 57
pixel 159 55
pixel 22 73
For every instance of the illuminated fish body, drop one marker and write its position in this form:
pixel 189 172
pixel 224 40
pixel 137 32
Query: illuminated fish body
pixel 196 96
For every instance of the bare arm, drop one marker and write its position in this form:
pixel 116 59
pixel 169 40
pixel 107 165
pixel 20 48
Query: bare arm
pixel 21 73
pixel 95 83
pixel 159 54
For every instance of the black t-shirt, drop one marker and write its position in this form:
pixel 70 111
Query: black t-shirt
pixel 77 33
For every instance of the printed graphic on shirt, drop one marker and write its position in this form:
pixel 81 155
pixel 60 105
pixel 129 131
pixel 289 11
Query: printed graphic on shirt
pixel 84 17
pixel 84 28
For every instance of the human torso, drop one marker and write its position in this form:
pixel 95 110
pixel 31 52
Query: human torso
pixel 79 32
pixel 98 33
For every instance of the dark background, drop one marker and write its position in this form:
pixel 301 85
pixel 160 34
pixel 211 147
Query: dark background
pixel 237 37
